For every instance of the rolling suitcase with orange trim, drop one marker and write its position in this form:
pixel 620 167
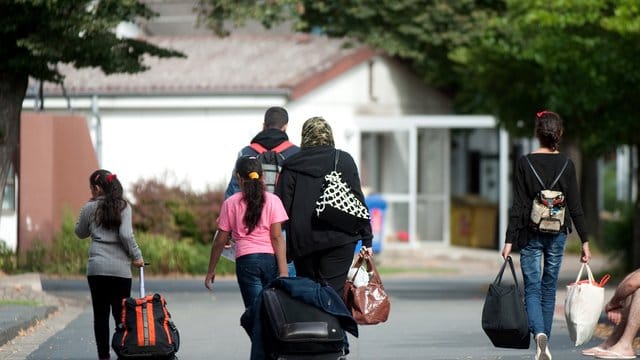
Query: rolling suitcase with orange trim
pixel 146 330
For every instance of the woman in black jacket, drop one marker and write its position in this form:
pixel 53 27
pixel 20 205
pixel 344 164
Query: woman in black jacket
pixel 541 251
pixel 319 250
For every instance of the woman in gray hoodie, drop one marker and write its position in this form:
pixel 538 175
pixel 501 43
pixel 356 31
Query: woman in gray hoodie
pixel 106 218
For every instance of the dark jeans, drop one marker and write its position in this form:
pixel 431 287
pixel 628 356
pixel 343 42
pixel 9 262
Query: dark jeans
pixel 254 272
pixel 107 293
pixel 328 265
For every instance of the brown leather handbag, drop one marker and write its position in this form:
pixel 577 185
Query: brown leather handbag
pixel 369 304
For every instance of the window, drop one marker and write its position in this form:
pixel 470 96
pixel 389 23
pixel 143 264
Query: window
pixel 9 198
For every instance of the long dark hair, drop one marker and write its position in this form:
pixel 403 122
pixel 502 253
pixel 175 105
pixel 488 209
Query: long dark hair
pixel 112 202
pixel 549 129
pixel 249 170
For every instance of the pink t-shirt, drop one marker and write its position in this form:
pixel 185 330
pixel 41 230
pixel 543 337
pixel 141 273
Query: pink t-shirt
pixel 232 219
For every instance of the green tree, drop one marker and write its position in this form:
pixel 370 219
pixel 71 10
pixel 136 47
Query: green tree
pixel 37 35
pixel 576 57
pixel 510 58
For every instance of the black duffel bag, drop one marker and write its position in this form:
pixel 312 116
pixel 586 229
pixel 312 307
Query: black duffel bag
pixel 504 317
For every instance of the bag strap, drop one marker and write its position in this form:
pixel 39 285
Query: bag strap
pixel 560 174
pixel 258 148
pixel 566 162
pixel 336 157
pixel 278 149
pixel 592 279
pixel 498 279
pixel 370 267
pixel 283 146
pixel 589 274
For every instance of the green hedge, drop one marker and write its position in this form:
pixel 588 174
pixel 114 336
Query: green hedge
pixel 67 255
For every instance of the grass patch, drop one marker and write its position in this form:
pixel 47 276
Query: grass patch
pixel 31 303
pixel 396 271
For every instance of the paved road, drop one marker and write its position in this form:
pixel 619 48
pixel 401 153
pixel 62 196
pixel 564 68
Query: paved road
pixel 432 318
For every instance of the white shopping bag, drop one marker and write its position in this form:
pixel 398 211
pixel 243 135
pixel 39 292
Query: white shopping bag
pixel 583 306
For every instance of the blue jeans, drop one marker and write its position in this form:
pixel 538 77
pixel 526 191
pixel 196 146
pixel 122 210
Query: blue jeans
pixel 254 272
pixel 540 281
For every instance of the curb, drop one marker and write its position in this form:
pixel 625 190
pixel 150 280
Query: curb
pixel 24 304
pixel 22 318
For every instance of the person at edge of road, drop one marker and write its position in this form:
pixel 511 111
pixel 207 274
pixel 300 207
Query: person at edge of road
pixel 319 251
pixel 253 217
pixel 623 310
pixel 274 133
pixel 106 218
pixel 540 280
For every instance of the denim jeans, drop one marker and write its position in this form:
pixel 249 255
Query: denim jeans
pixel 254 272
pixel 540 279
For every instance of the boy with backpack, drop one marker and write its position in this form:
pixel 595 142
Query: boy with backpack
pixel 271 146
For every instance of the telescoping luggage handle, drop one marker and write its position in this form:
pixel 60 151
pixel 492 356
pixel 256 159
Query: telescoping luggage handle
pixel 142 292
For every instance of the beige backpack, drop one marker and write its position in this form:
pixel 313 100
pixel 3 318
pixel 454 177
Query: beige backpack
pixel 548 208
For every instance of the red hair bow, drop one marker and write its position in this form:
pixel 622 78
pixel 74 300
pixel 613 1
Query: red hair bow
pixel 540 113
pixel 110 177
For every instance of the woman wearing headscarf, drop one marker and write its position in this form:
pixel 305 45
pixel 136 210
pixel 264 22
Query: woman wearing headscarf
pixel 319 250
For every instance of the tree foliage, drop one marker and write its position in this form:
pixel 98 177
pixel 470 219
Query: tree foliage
pixel 576 57
pixel 510 58
pixel 36 35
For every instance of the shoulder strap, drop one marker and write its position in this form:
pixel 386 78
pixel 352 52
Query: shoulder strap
pixel 280 148
pixel 566 162
pixel 283 146
pixel 336 157
pixel 258 148
pixel 560 174
pixel 535 172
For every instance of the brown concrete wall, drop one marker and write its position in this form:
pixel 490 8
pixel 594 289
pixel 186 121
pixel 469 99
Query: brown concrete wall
pixel 56 159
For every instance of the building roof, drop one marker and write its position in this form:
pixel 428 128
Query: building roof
pixel 290 64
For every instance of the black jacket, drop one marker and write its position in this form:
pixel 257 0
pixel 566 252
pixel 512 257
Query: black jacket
pixel 300 186
pixel 526 186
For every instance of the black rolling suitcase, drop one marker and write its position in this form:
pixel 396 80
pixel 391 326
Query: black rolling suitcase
pixel 294 330
pixel 147 331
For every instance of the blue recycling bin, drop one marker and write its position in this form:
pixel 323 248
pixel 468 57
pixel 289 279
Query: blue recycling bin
pixel 377 208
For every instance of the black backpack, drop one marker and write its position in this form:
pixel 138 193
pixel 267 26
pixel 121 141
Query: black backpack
pixel 271 160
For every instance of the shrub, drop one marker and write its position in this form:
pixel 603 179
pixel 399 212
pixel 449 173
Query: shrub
pixel 35 257
pixel 68 254
pixel 151 210
pixel 617 236
pixel 7 258
pixel 167 256
pixel 174 212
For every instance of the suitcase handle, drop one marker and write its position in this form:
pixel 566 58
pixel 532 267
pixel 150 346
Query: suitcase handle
pixel 142 292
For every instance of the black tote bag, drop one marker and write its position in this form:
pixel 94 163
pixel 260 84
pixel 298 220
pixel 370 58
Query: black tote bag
pixel 504 317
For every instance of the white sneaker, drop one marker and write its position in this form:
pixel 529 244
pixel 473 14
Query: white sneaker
pixel 542 347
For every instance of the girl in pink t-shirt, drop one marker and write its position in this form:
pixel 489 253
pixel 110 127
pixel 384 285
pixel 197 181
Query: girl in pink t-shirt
pixel 253 218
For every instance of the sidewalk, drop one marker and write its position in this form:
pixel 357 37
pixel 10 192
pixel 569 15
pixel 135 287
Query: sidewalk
pixel 22 304
pixel 439 260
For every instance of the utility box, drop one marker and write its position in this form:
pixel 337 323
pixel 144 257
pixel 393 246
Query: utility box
pixel 474 222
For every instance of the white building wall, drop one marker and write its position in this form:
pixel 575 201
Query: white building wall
pixel 9 229
pixel 193 148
